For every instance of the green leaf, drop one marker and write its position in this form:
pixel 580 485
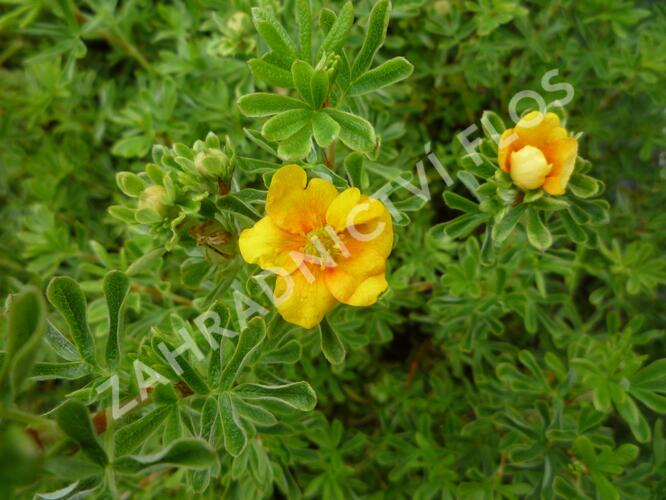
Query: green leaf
pixel 208 420
pixel 505 227
pixel 337 35
pixel 270 73
pixel 355 132
pixel 462 226
pixel 584 186
pixel 573 230
pixel 301 73
pixel 58 494
pixel 249 341
pixel 264 104
pixel 189 375
pixel 116 286
pixel 132 147
pixel 235 438
pixel 60 344
pixel 130 184
pixel 633 416
pixel 374 37
pixel 274 34
pixel 457 202
pixel 234 204
pixel 492 125
pixel 286 124
pixel 651 399
pixel 298 395
pixel 74 420
pixel 324 128
pixel 133 435
pixel 327 19
pixel 651 377
pixel 304 21
pixel 331 345
pixel 147 216
pixel 184 453
pixel 254 413
pixel 297 146
pixel 537 233
pixel 66 296
pixel 71 370
pixel 390 72
pixel 145 261
pixel 26 322
pixel 319 88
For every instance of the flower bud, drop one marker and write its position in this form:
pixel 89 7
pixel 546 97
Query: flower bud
pixel 154 197
pixel 212 163
pixel 529 168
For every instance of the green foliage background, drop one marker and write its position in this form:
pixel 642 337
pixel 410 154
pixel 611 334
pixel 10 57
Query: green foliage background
pixel 521 374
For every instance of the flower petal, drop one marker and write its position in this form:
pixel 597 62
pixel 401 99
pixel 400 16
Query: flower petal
pixel 350 272
pixel 366 247
pixel 536 129
pixel 301 301
pixel 533 129
pixel 369 291
pixel 376 234
pixel 562 154
pixel 269 246
pixel 293 206
pixel 349 208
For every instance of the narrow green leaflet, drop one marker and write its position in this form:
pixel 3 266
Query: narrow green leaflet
pixel 274 34
pixel 270 73
pixel 302 73
pixel 304 20
pixel 374 37
pixel 319 86
pixel 331 345
pixel 390 72
pixel 537 233
pixel 66 296
pixel 355 132
pixel 185 453
pixel 249 341
pixel 324 128
pixel 297 146
pixel 116 286
pixel 26 323
pixel 235 438
pixel 286 124
pixel 133 435
pixel 264 104
pixel 73 418
pixel 339 31
pixel 297 395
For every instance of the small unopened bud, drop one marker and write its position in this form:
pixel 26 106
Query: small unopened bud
pixel 212 163
pixel 442 7
pixel 239 22
pixel 154 197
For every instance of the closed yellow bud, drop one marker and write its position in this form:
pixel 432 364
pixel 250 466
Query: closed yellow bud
pixel 529 168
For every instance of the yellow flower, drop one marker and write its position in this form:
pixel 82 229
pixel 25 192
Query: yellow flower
pixel 326 247
pixel 541 153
